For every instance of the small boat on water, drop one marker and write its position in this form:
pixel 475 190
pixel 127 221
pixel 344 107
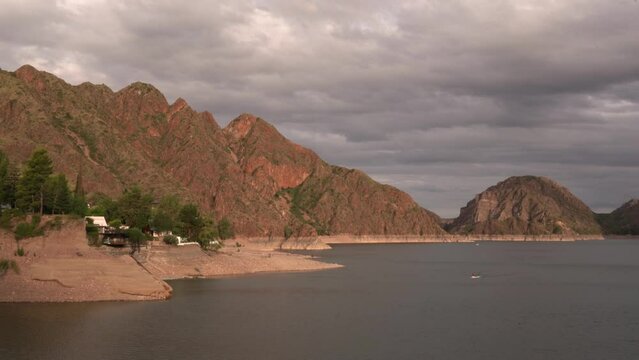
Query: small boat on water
pixel 475 276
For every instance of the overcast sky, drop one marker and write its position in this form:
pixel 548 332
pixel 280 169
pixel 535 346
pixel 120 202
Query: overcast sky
pixel 439 98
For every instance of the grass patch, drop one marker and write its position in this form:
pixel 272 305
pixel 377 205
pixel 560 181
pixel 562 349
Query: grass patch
pixel 29 229
pixel 6 265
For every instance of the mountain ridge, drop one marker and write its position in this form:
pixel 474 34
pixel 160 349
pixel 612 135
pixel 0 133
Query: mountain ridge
pixel 246 171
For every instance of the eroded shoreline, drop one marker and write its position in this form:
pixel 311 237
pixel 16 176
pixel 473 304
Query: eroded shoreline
pixel 61 267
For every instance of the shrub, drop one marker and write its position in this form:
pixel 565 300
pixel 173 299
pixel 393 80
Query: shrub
pixel 35 220
pixel 136 238
pixel 117 223
pixel 5 220
pixel 54 224
pixel 287 232
pixel 5 265
pixel 26 230
pixel 19 252
pixel 90 228
pixel 170 240
pixel 93 238
pixel 7 217
pixel 225 229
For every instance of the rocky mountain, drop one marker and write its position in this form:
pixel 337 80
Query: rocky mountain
pixel 526 205
pixel 622 221
pixel 247 172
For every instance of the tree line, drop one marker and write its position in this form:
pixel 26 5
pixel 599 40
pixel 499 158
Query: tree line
pixel 137 210
pixel 36 189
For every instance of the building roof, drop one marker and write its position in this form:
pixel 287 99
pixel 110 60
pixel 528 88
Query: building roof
pixel 98 220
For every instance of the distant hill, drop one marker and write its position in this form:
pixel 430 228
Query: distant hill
pixel 622 221
pixel 525 205
pixel 248 171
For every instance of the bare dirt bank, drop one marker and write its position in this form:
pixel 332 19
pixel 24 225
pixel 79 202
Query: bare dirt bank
pixel 61 267
pixel 170 262
pixel 374 239
pixel 325 242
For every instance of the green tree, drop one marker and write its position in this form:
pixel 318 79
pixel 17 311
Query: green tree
pixel 57 196
pixel 4 178
pixel 136 239
pixel 103 205
pixel 10 185
pixel 225 229
pixel 30 189
pixel 78 205
pixel 170 204
pixel 79 184
pixel 190 223
pixel 166 213
pixel 287 232
pixel 135 207
pixel 162 221
pixel 207 236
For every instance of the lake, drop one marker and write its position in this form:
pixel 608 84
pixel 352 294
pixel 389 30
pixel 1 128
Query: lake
pixel 533 301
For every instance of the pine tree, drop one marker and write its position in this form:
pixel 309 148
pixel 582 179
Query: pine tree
pixel 30 189
pixel 4 175
pixel 57 196
pixel 135 207
pixel 190 222
pixel 79 184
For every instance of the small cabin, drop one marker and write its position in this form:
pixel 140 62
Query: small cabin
pixel 98 221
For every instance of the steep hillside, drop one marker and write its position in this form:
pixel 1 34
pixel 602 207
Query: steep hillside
pixel 622 221
pixel 526 205
pixel 247 172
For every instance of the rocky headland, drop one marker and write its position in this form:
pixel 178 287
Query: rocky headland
pixel 526 205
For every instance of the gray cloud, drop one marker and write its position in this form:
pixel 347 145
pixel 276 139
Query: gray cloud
pixel 440 98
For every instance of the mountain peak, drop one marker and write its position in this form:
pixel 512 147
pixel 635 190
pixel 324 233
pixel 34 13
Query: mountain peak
pixel 532 205
pixel 34 78
pixel 141 98
pixel 27 69
pixel 623 221
pixel 633 202
pixel 141 88
pixel 242 125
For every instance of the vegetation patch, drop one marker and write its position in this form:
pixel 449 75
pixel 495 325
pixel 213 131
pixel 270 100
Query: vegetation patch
pixel 6 265
pixel 29 229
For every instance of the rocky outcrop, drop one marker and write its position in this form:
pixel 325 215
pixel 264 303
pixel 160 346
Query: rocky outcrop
pixel 248 172
pixel 622 221
pixel 526 205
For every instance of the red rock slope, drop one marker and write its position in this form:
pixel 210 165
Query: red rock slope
pixel 247 172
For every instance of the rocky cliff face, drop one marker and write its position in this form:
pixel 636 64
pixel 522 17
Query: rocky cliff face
pixel 622 221
pixel 247 171
pixel 526 205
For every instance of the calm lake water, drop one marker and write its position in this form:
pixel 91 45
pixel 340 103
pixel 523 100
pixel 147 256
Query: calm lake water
pixel 533 301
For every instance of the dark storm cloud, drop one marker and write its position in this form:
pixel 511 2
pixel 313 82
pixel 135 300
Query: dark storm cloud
pixel 440 98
